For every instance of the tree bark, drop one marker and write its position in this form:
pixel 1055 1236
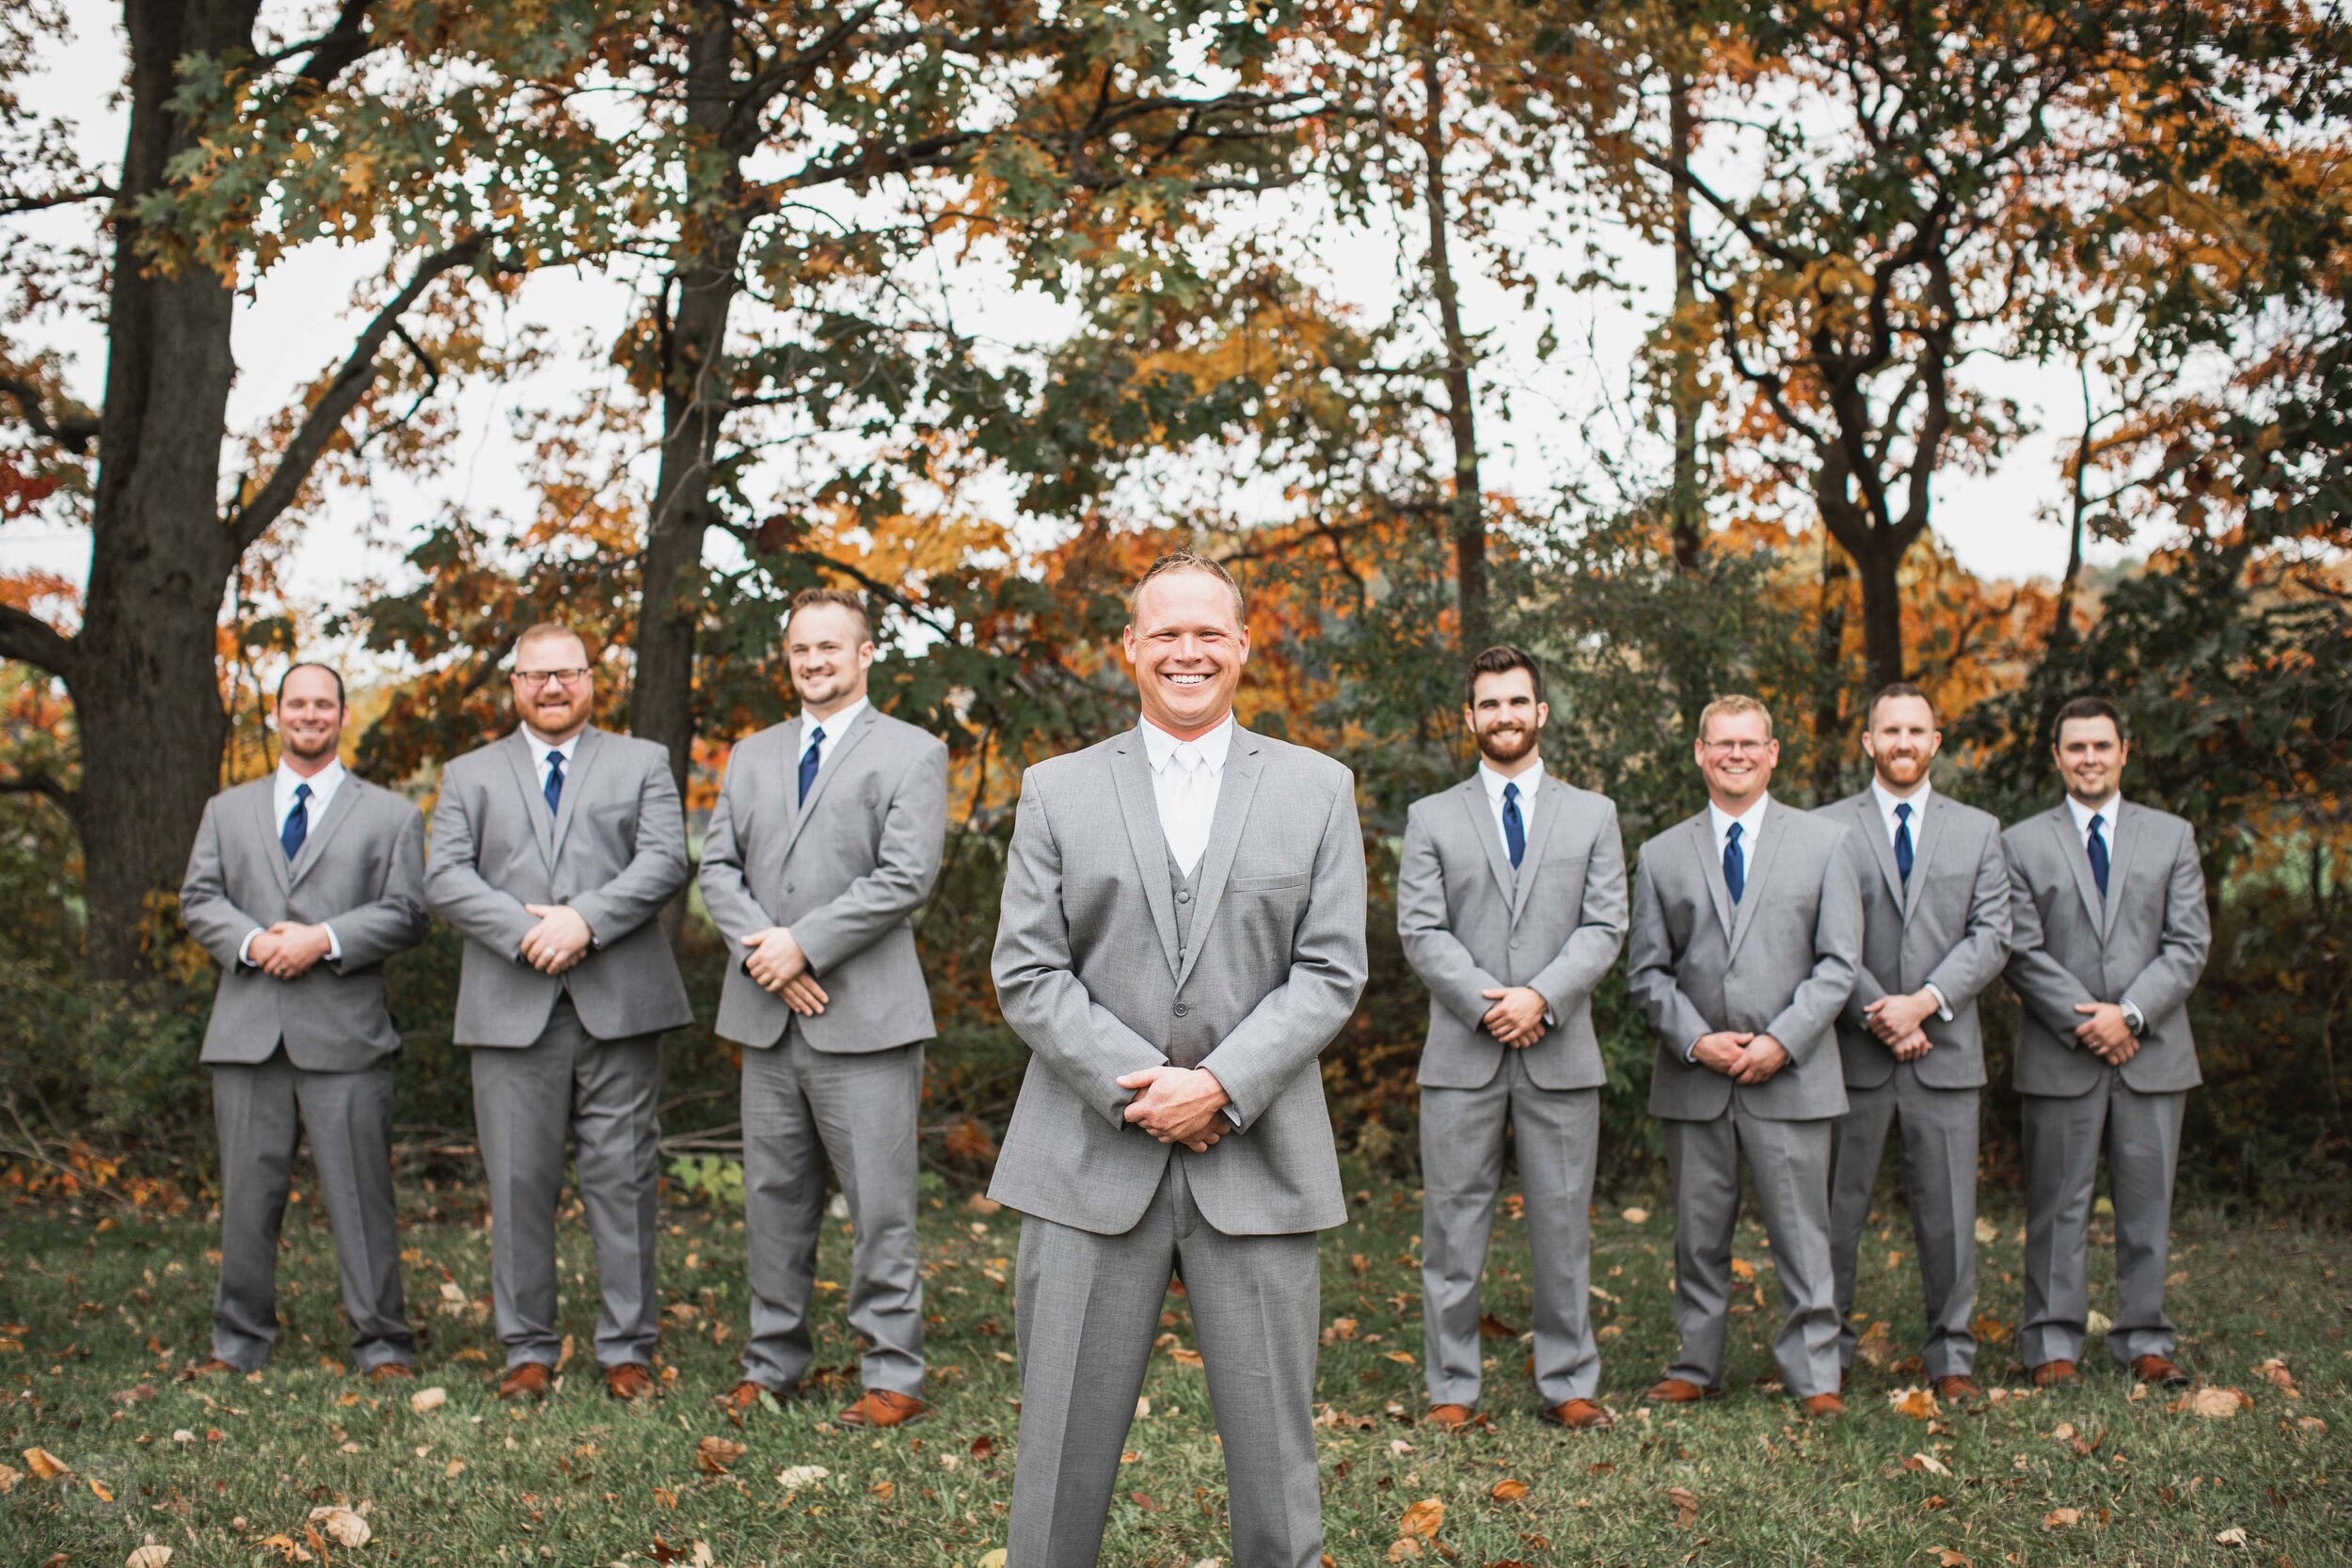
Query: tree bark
pixel 1467 512
pixel 1686 519
pixel 1829 710
pixel 696 393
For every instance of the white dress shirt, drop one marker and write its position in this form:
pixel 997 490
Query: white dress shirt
pixel 1917 800
pixel 541 751
pixel 835 728
pixel 1531 784
pixel 1185 775
pixel 1750 821
pixel 282 787
pixel 2105 811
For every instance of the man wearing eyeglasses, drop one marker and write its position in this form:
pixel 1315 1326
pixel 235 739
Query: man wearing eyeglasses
pixel 1745 942
pixel 553 853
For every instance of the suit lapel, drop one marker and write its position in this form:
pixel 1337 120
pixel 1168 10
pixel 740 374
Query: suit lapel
pixel 2121 841
pixel 1931 834
pixel 315 846
pixel 1759 866
pixel 264 814
pixel 1701 829
pixel 1132 771
pixel 1233 793
pixel 1481 819
pixel 1872 827
pixel 575 785
pixel 837 749
pixel 2077 860
pixel 1551 802
pixel 535 799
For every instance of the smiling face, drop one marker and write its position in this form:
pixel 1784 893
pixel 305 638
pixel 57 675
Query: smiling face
pixel 2091 755
pixel 1504 717
pixel 830 655
pixel 1901 740
pixel 1187 645
pixel 1737 754
pixel 309 718
pixel 554 688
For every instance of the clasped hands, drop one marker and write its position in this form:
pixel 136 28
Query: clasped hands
pixel 1179 1105
pixel 781 967
pixel 1739 1055
pixel 288 949
pixel 560 940
pixel 1517 1018
pixel 1897 1020
pixel 2105 1034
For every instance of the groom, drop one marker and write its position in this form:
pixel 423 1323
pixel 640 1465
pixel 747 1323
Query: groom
pixel 1183 933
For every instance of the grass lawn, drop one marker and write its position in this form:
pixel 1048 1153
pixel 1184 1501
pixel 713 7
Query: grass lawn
pixel 95 1316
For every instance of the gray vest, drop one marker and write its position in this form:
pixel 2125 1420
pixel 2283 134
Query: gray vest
pixel 1189 1040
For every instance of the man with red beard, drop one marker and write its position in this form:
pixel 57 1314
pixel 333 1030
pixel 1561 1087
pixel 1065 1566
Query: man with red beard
pixel 1510 904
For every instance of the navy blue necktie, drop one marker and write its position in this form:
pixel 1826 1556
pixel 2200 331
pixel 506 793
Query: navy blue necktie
pixel 555 782
pixel 1513 827
pixel 2097 845
pixel 1902 842
pixel 1735 864
pixel 809 760
pixel 297 822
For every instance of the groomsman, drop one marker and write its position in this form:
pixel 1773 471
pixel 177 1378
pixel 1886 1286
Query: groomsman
pixel 1934 886
pixel 2111 934
pixel 1747 929
pixel 1183 933
pixel 300 886
pixel 553 853
pixel 1511 903
pixel 826 836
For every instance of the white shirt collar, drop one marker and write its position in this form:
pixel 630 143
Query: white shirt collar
pixel 1158 745
pixel 1887 800
pixel 1750 821
pixel 540 749
pixel 323 786
pixel 1530 783
pixel 2105 811
pixel 834 727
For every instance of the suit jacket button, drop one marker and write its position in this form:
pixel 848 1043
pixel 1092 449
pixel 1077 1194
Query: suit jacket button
pixel 1184 897
pixel 1515 944
pixel 1181 1009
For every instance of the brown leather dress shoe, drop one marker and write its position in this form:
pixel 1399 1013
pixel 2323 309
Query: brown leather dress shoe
pixel 743 1398
pixel 1452 1418
pixel 1674 1390
pixel 2051 1373
pixel 2157 1369
pixel 391 1372
pixel 632 1380
pixel 879 1407
pixel 1580 1416
pixel 1824 1407
pixel 1960 1389
pixel 212 1366
pixel 527 1380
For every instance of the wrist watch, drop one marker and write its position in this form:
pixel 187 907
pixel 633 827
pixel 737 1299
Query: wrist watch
pixel 2132 1019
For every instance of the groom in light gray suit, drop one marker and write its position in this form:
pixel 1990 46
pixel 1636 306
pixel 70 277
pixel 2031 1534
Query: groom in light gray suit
pixel 301 884
pixel 1747 929
pixel 1510 904
pixel 1183 932
pixel 826 836
pixel 2112 933
pixel 553 853
pixel 1934 887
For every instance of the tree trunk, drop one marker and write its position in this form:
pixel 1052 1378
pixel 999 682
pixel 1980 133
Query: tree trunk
pixel 1469 503
pixel 1685 517
pixel 1829 675
pixel 1881 611
pixel 696 392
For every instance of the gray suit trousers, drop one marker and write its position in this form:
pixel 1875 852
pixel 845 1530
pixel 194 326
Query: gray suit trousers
pixel 1556 1133
pixel 803 1108
pixel 1789 1163
pixel 526 1100
pixel 1939 1165
pixel 2063 1137
pixel 262 1109
pixel 1089 1308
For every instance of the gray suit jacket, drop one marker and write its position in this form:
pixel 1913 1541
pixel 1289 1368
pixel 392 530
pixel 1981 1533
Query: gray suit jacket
pixel 1088 973
pixel 2145 943
pixel 616 853
pixel 843 869
pixel 1781 962
pixel 1470 925
pixel 361 870
pixel 1949 925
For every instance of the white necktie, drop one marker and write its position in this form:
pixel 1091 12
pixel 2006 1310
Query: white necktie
pixel 1188 834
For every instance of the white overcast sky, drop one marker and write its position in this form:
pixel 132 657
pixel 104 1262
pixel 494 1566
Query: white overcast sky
pixel 1561 412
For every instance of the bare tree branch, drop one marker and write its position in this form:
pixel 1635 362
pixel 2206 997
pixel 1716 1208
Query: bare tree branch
pixel 27 636
pixel 12 205
pixel 75 432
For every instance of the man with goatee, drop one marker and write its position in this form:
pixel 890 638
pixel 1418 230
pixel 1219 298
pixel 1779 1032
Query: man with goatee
pixel 1510 904
pixel 553 853
pixel 1935 921
pixel 301 884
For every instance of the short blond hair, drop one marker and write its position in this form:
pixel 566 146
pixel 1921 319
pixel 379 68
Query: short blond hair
pixel 840 598
pixel 1724 707
pixel 546 629
pixel 1188 561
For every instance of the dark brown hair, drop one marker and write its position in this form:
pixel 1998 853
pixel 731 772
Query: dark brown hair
pixel 1895 688
pixel 333 674
pixel 1495 661
pixel 2087 707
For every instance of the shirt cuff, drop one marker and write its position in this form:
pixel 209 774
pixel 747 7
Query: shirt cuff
pixel 2133 1020
pixel 1691 1051
pixel 1942 1008
pixel 245 949
pixel 334 944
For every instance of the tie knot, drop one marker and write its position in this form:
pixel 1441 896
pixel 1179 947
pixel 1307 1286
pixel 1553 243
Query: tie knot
pixel 1902 813
pixel 1732 836
pixel 1511 792
pixel 555 760
pixel 2097 821
pixel 302 793
pixel 817 734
